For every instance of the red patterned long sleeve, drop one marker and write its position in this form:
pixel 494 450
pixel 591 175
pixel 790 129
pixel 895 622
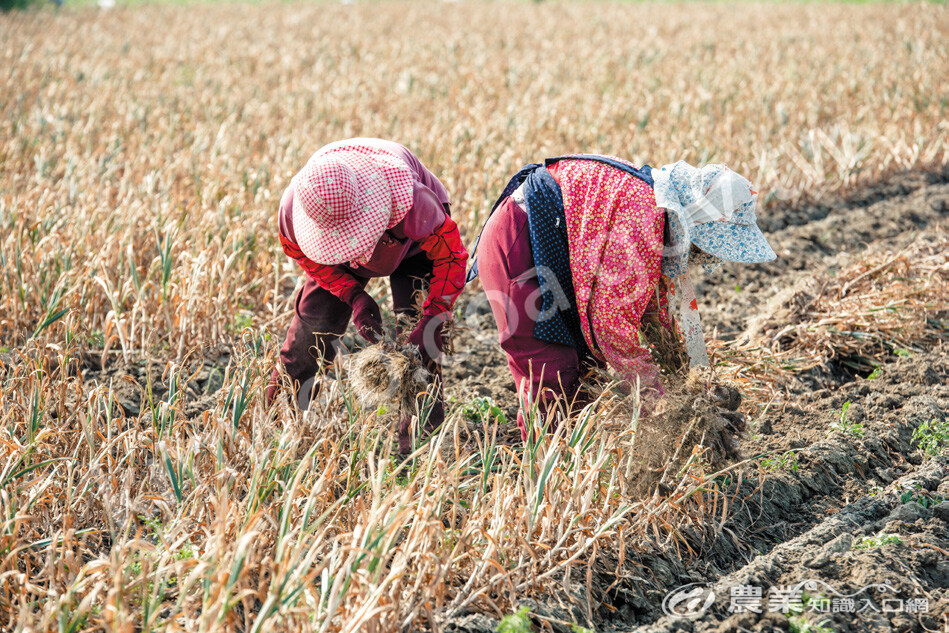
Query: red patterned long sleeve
pixel 331 278
pixel 449 256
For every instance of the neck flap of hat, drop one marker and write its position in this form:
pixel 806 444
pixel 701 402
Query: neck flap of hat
pixel 694 196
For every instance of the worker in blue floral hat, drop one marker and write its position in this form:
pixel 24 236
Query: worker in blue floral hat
pixel 599 244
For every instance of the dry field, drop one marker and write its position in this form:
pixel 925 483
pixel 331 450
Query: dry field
pixel 145 486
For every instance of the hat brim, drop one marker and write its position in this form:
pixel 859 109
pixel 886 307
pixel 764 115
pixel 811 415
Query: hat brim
pixel 325 247
pixel 743 243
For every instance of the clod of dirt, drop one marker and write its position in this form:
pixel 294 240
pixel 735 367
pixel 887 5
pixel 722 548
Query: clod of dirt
pixel 725 396
pixel 691 422
pixel 386 375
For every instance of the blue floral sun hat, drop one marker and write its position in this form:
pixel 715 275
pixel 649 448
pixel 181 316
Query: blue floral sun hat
pixel 714 208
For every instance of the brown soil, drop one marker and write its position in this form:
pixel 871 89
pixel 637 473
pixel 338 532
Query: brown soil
pixel 136 382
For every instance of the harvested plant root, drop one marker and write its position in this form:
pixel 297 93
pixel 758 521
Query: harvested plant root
pixel 389 375
pixel 693 421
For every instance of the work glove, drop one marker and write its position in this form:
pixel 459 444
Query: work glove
pixel 367 317
pixel 427 336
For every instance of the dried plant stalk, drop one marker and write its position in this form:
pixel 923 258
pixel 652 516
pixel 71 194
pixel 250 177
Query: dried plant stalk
pixel 385 375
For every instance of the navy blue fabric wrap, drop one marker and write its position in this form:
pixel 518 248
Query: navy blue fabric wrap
pixel 558 321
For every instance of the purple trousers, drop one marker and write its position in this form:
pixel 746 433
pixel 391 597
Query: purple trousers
pixel 320 319
pixel 542 371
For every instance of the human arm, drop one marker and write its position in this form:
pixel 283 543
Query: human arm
pixel 449 256
pixel 438 237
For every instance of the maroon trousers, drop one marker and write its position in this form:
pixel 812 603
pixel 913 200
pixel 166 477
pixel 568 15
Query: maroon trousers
pixel 320 319
pixel 542 371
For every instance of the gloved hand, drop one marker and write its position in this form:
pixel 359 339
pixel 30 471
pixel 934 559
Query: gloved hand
pixel 427 336
pixel 367 317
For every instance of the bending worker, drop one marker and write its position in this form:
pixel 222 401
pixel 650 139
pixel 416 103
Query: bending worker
pixel 359 209
pixel 581 251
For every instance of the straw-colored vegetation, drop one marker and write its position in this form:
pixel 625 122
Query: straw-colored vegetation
pixel 142 155
pixel 887 304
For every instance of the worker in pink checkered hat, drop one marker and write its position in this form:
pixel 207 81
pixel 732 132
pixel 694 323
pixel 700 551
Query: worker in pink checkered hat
pixel 359 209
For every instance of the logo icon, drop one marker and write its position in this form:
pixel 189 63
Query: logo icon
pixel 688 600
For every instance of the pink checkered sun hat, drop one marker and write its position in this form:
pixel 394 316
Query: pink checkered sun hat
pixel 344 200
